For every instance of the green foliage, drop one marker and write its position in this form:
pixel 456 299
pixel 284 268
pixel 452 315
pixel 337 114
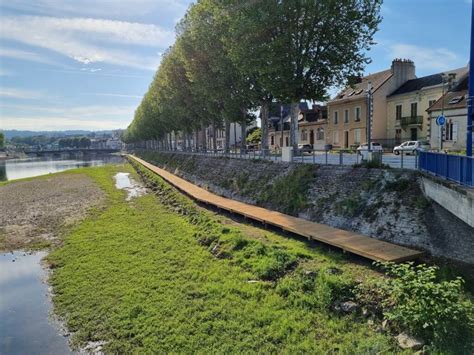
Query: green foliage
pixel 414 300
pixel 232 55
pixel 75 142
pixel 290 192
pixel 349 207
pixel 255 136
pixel 147 278
pixel 2 139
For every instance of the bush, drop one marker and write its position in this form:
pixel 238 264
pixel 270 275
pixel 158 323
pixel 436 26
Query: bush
pixel 415 301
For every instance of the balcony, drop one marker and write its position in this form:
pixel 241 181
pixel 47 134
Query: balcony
pixel 410 121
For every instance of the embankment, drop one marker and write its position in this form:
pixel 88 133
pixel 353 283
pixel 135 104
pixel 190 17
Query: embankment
pixel 387 204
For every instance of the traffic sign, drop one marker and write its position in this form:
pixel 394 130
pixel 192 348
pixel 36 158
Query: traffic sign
pixel 441 120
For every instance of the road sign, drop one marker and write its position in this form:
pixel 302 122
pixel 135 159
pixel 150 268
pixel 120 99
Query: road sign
pixel 441 120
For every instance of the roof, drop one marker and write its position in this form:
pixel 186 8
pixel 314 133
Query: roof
pixel 425 81
pixel 357 91
pixel 453 99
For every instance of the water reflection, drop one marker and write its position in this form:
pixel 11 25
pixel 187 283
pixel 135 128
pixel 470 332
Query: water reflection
pixel 22 168
pixel 25 327
pixel 123 181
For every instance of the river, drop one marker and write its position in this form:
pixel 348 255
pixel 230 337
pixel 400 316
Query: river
pixel 26 326
pixel 29 167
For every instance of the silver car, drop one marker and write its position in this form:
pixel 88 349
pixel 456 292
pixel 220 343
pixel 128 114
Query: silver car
pixel 410 147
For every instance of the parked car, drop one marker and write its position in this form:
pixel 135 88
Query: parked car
pixel 305 148
pixel 410 147
pixel 376 147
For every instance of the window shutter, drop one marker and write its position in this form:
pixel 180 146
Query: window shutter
pixel 455 131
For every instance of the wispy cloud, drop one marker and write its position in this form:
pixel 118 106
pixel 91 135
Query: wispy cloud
pixel 24 55
pixel 65 117
pixel 89 40
pixel 115 95
pixel 437 59
pixel 13 93
pixel 115 9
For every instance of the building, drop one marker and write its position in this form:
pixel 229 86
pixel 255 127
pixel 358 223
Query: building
pixel 312 126
pixel 279 124
pixel 407 116
pixel 347 112
pixel 452 105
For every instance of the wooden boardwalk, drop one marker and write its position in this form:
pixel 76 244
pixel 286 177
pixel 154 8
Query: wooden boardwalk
pixel 367 247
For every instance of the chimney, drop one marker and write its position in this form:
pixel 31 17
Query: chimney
pixel 403 70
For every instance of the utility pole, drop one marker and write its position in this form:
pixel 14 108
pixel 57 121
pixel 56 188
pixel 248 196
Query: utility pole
pixel 471 91
pixel 369 100
pixel 441 128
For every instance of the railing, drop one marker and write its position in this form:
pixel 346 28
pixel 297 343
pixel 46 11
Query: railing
pixel 313 156
pixel 458 168
pixel 406 121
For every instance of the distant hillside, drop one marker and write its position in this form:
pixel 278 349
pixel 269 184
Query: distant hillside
pixel 16 133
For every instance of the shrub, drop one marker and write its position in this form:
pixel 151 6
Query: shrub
pixel 414 300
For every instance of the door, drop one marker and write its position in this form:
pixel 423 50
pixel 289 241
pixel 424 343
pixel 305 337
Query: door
pixel 311 137
pixel 414 134
pixel 346 139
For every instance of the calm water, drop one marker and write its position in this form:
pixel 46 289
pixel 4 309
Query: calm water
pixel 25 324
pixel 22 168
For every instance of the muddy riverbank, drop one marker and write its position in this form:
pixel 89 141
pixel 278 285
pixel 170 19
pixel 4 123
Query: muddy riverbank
pixel 33 212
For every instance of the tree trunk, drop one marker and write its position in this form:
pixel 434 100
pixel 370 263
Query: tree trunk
pixel 227 136
pixel 204 137
pixel 214 137
pixel 294 126
pixel 243 132
pixel 264 124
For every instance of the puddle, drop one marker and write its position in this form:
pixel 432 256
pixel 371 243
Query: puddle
pixel 25 308
pixel 123 181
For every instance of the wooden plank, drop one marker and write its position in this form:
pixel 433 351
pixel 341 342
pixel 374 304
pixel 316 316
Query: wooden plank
pixel 355 243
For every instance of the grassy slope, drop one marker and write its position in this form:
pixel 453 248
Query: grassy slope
pixel 140 277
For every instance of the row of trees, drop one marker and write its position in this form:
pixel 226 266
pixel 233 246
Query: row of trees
pixel 233 57
pixel 74 142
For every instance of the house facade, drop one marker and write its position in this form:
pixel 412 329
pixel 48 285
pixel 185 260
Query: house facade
pixel 453 106
pixel 347 112
pixel 407 116
pixel 279 124
pixel 312 127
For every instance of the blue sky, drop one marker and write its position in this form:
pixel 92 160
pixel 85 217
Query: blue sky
pixel 85 64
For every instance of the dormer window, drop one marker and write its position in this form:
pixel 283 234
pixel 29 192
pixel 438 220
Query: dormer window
pixel 455 100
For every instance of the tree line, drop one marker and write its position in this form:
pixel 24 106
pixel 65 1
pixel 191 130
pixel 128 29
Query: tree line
pixel 233 57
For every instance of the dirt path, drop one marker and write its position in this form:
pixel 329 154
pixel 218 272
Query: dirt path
pixel 32 212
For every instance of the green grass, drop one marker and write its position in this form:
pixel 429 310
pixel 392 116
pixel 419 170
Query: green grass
pixel 159 274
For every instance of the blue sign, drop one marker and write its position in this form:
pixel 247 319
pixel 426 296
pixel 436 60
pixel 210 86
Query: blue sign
pixel 441 120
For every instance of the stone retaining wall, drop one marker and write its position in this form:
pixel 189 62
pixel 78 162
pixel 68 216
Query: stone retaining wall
pixel 387 204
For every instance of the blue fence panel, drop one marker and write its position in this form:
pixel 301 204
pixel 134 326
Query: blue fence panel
pixel 457 168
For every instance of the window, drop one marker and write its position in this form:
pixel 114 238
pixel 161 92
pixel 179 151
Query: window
pixel 320 134
pixel 357 114
pixel 336 117
pixel 431 102
pixel 272 140
pixel 357 136
pixel 398 134
pixel 287 142
pixel 304 135
pixel 336 137
pixel 398 112
pixel 455 100
pixel 451 131
pixel 346 116
pixel 414 109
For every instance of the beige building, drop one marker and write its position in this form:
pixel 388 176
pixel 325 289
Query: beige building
pixel 312 125
pixel 453 105
pixel 347 112
pixel 407 116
